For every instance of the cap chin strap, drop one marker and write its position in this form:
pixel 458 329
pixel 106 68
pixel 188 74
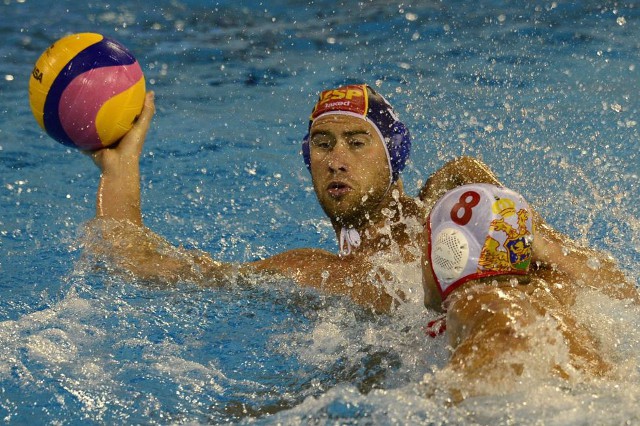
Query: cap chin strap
pixel 349 238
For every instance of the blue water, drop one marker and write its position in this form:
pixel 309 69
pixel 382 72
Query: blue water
pixel 545 93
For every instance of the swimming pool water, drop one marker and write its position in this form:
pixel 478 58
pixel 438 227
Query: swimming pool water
pixel 545 93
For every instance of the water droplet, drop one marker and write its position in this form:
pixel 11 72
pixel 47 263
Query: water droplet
pixel 593 263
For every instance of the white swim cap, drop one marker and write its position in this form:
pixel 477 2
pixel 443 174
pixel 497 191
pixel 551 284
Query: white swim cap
pixel 477 231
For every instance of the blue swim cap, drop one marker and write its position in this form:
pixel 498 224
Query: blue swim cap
pixel 364 102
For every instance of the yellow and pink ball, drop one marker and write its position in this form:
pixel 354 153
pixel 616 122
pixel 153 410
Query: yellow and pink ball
pixel 86 91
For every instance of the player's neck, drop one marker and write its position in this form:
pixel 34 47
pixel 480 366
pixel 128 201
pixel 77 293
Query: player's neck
pixel 388 226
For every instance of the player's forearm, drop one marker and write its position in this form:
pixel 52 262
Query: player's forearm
pixel 118 194
pixel 119 190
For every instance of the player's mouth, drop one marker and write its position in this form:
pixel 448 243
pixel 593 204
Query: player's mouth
pixel 338 189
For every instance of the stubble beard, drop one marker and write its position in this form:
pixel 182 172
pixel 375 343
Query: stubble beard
pixel 354 211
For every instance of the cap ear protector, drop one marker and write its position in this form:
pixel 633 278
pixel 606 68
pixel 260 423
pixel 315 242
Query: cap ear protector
pixel 374 109
pixel 306 151
pixel 399 148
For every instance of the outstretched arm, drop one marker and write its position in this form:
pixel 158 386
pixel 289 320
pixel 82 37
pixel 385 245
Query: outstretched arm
pixel 118 233
pixel 119 236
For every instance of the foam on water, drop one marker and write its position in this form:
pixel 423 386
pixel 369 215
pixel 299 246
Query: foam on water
pixel 531 398
pixel 116 354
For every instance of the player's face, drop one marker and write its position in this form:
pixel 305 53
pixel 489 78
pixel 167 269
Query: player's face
pixel 349 168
